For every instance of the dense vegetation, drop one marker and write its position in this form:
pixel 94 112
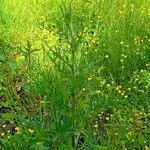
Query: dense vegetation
pixel 75 74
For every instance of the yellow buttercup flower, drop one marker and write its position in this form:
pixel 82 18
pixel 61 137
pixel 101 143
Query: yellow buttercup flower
pixel 8 131
pixel 126 96
pixel 95 126
pixel 30 131
pixel 90 78
pixel 68 46
pixel 123 67
pixel 17 129
pixel 99 115
pixel 83 89
pixel 2 134
pixel 129 89
pixel 121 42
pixel 121 60
pixel 116 134
pixel 18 132
pixel 20 58
pixel 107 118
pixel 108 85
pixel 4 125
pixel 8 137
pixel 122 94
pixel 119 91
pixel 106 56
pixel 147 148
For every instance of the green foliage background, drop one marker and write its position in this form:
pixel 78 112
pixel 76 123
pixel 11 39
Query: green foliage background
pixel 75 74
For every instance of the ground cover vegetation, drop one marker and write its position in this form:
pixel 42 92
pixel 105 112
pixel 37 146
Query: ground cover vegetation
pixel 75 75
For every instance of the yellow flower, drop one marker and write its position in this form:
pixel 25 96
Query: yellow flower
pixel 4 125
pixel 30 131
pixel 112 82
pixel 119 91
pixel 8 137
pixel 127 46
pixel 8 131
pixel 122 94
pixel 95 126
pixel 20 58
pixel 99 115
pixel 98 92
pixel 120 86
pixel 123 67
pixel 107 118
pixel 146 86
pixel 83 89
pixel 86 53
pixel 108 85
pixel 106 56
pixel 126 96
pixel 129 89
pixel 90 78
pixel 121 42
pixel 147 148
pixel 120 12
pixel 17 129
pixel 68 46
pixel 121 60
pixel 116 134
pixel 18 132
pixel 89 45
pixel 2 134
pixel 147 65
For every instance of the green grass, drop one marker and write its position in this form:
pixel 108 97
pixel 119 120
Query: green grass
pixel 74 74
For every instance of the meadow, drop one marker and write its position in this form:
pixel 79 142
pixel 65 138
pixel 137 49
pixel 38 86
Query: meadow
pixel 74 74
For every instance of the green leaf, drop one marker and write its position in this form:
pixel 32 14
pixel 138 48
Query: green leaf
pixel 5 104
pixel 39 146
pixel 65 147
pixel 141 139
pixel 145 78
pixel 13 65
pixel 9 116
pixel 99 147
pixel 2 58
